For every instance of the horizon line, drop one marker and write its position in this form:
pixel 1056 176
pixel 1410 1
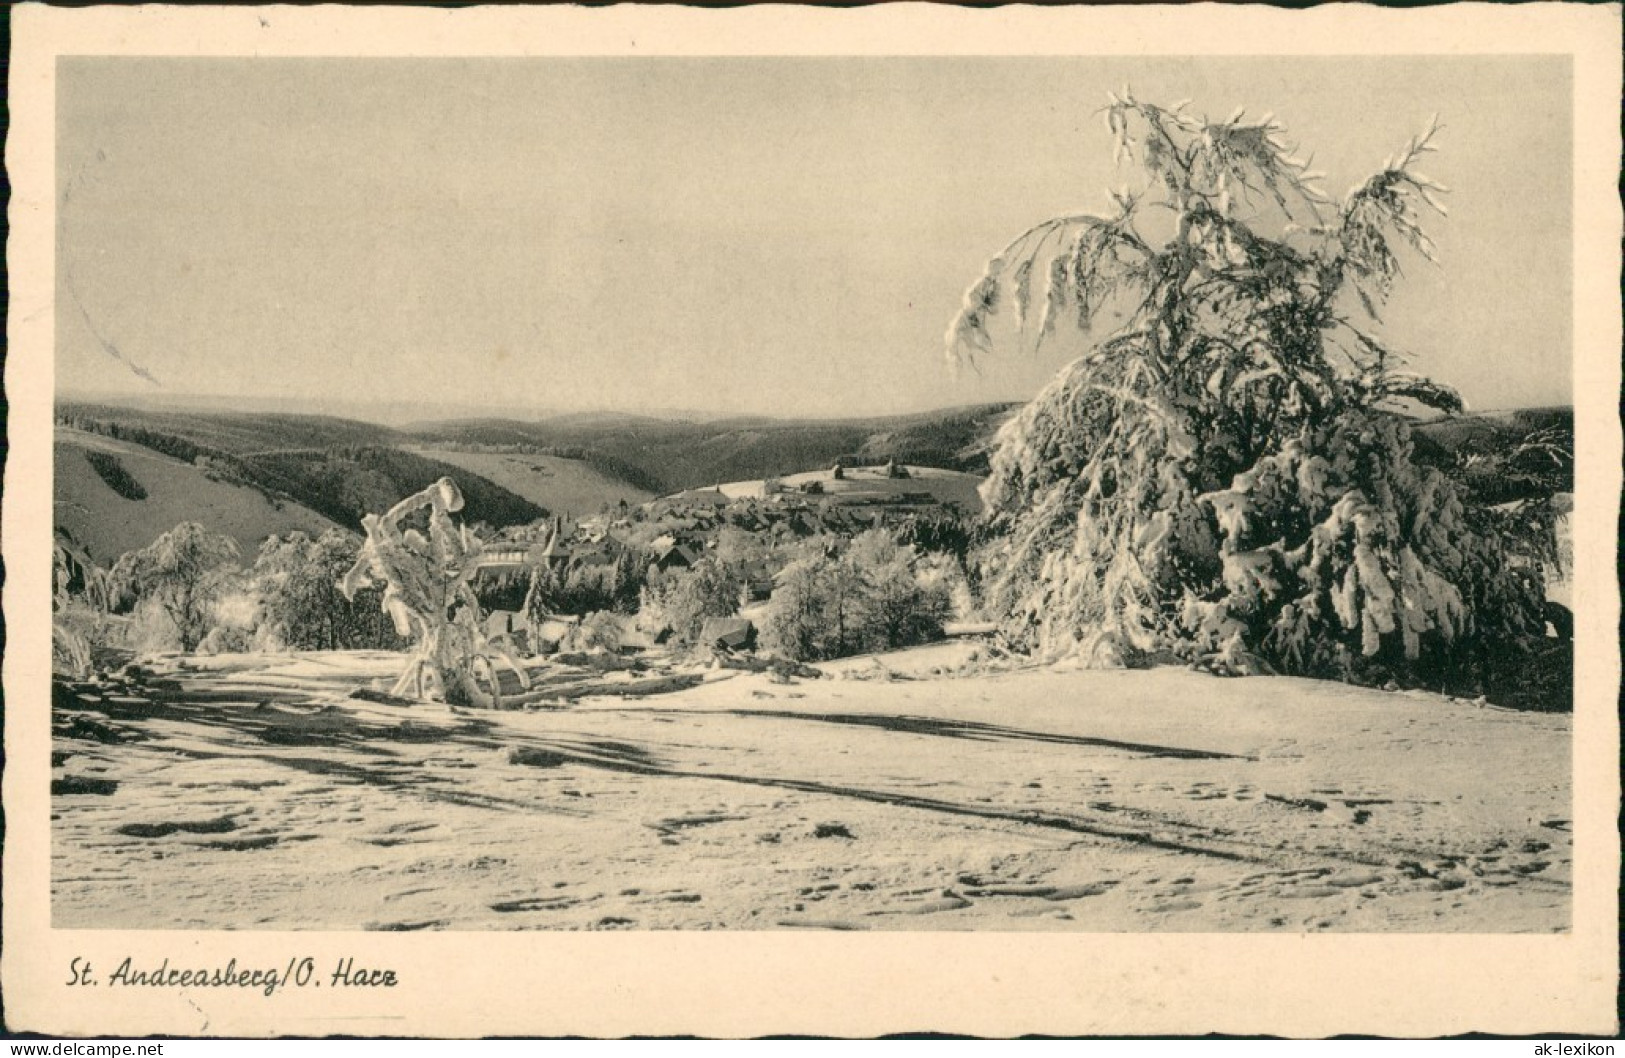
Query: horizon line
pixel 389 412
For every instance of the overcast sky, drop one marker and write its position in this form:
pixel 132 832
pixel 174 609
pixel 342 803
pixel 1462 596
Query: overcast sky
pixel 779 236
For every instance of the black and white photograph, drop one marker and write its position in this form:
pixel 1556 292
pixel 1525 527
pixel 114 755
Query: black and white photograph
pixel 815 493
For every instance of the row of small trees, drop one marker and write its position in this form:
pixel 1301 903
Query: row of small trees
pixel 189 590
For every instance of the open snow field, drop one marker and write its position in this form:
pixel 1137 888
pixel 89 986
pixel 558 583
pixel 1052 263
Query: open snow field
pixel 913 791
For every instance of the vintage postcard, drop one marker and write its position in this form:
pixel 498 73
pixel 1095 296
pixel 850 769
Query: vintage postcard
pixel 647 520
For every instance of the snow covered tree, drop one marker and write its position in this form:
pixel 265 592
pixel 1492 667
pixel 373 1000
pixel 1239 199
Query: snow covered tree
pixel 843 598
pixel 681 599
pixel 1226 471
pixel 80 604
pixel 296 578
pixel 899 607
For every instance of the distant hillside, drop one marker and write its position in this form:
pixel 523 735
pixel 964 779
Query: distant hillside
pixel 234 433
pixel 98 507
pixel 1491 427
pixel 338 468
pixel 513 472
pixel 666 456
pixel 562 486
pixel 955 439
pixel 1506 455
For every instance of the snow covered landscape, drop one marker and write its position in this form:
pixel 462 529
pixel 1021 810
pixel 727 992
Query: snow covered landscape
pixel 1184 585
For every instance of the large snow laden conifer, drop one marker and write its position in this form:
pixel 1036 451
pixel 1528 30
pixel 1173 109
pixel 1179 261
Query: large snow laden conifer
pixel 1223 472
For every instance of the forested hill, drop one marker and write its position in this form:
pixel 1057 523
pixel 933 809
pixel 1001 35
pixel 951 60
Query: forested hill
pixel 343 468
pixel 235 433
pixel 667 455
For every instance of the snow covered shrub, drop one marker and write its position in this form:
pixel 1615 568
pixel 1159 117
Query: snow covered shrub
pixel 1339 548
pixel 600 631
pixel 70 644
pixel 235 623
pixel 228 639
pixel 943 578
pixel 814 611
pixel 425 581
pixel 1225 471
pixel 1526 474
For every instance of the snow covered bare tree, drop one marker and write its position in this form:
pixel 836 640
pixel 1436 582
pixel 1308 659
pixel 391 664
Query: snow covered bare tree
pixel 1227 471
